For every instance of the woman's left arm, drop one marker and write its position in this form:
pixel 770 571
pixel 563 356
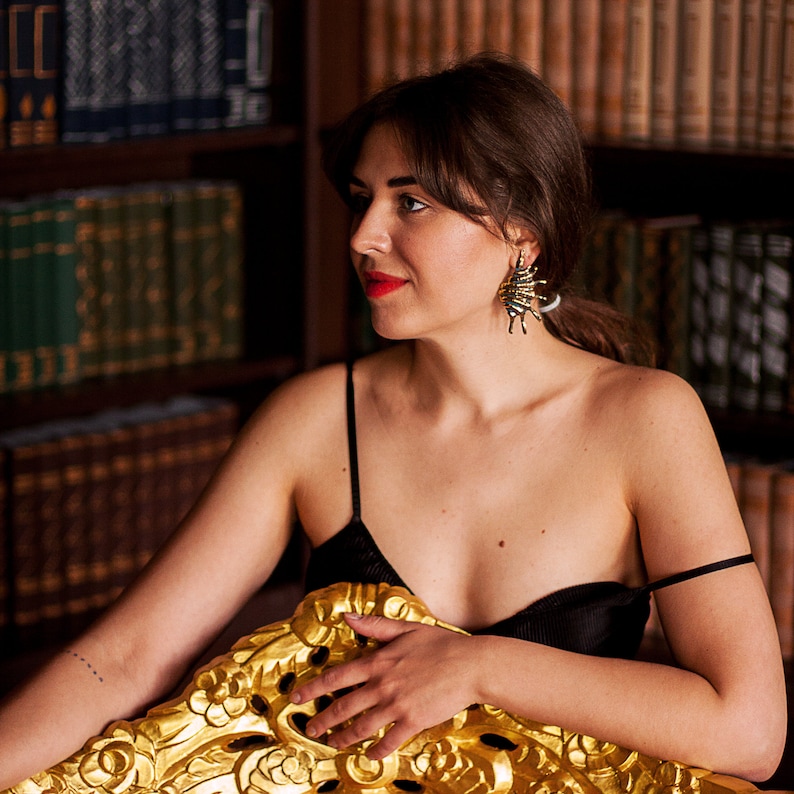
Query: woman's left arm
pixel 723 706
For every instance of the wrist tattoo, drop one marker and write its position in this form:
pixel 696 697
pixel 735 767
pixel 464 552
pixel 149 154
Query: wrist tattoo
pixel 84 661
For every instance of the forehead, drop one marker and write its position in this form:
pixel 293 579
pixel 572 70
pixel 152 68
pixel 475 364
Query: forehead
pixel 381 155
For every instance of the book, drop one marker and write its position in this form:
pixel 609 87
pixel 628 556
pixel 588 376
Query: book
pixel 232 272
pixel 776 319
pixel 586 64
pixel 259 62
pixel 98 43
pixel 638 77
pixel 89 282
pixel 134 297
pixel 786 132
pixel 528 33
pixel 750 72
pixel 770 73
pixel 183 62
pixel 65 288
pixel 699 313
pixel 209 271
pixel 158 73
pixel 20 281
pixel 722 239
pixel 471 32
pixel 20 83
pixel 376 46
pixel 401 51
pixel 498 24
pixel 755 504
pixel 46 48
pixel 98 508
pixel 43 265
pixel 727 72
pixel 3 74
pixel 209 63
pixel 234 47
pixel 626 251
pixel 558 69
pixel 665 69
pixel 696 77
pixel 5 305
pixel 76 75
pixel 5 540
pixel 747 285
pixel 781 571
pixel 613 49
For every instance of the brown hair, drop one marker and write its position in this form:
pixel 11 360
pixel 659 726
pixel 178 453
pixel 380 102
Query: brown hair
pixel 489 127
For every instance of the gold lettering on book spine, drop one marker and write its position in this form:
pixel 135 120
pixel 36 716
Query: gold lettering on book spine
pixel 235 731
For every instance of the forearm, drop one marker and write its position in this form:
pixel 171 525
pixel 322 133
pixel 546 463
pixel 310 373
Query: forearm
pixel 70 700
pixel 660 710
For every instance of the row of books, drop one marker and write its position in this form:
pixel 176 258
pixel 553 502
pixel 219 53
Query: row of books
pixel 80 72
pixel 717 296
pixel 85 503
pixel 120 279
pixel 668 71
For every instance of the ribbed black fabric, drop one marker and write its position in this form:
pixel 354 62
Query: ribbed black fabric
pixel 597 618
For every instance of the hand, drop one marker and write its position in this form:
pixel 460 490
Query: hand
pixel 421 676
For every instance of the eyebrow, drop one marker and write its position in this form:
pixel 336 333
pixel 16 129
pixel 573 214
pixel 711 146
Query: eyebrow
pixel 395 181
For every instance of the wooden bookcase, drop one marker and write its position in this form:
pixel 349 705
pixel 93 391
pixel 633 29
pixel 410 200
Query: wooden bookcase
pixel 296 249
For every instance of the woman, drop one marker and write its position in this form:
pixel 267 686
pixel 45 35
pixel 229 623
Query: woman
pixel 493 460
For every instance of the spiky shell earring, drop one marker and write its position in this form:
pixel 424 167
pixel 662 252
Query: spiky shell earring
pixel 518 292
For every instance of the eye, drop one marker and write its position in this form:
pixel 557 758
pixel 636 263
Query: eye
pixel 359 202
pixel 411 204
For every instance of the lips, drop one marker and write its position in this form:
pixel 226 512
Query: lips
pixel 377 284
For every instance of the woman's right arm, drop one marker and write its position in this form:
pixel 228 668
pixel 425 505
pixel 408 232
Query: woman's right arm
pixel 216 559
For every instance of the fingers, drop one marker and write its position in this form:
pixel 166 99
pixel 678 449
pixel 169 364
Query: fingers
pixel 378 627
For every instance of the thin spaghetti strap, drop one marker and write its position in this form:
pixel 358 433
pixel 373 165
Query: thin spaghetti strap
pixel 700 571
pixel 351 443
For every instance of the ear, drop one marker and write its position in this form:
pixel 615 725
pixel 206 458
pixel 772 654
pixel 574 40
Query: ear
pixel 527 239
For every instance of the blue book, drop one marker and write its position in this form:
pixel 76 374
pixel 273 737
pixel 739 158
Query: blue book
pixel 210 64
pixel 259 61
pixel 184 66
pixel 159 58
pixel 235 89
pixel 21 65
pixel 99 70
pixel 76 81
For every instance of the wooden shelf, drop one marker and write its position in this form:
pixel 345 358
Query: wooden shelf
pixel 30 407
pixel 47 168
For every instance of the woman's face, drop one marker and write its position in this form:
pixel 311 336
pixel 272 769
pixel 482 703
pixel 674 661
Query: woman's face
pixel 425 268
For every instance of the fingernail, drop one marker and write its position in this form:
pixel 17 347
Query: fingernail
pixel 295 697
pixel 353 616
pixel 311 731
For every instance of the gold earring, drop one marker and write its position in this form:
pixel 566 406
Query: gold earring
pixel 518 292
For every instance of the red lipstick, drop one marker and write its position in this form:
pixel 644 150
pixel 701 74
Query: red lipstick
pixel 377 284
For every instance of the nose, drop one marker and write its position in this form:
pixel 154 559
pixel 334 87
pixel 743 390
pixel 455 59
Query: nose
pixel 369 232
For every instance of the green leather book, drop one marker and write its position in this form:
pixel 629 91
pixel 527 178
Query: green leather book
pixel 183 272
pixel 21 372
pixel 89 282
pixel 209 270
pixel 136 340
pixel 231 292
pixel 44 295
pixel 66 291
pixel 157 304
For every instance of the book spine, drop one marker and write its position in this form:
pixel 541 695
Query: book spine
pixel 100 67
pixel 638 75
pixel 45 72
pixel 697 39
pixel 209 269
pixel 144 495
pixel 157 289
pixel 21 101
pixel 756 508
pixel 123 476
pixel 652 253
pixel 699 311
pixel 4 41
pixel 626 244
pixel 184 64
pixel 67 325
pixel 136 331
pixel 117 92
pixel 472 26
pixel 259 62
pixel 747 319
pixel 138 66
pixel 781 574
pixel 5 304
pixel 424 30
pixel 376 44
pixel 720 314
pixel 234 88
pixel 20 287
pixel 558 60
pixel 75 493
pixel 498 25
pixel 209 115
pixel 44 295
pixel 750 72
pixel 447 30
pixel 232 272
pixel 587 64
pixel 158 80
pixel 787 80
pixel 528 36
pixel 776 320
pixel 771 73
pixel 112 264
pixel 89 280
pixel 727 72
pixel 76 87
pixel 98 519
pixel 676 283
pixel 613 49
pixel 665 70
pixel 5 544
pixel 183 273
